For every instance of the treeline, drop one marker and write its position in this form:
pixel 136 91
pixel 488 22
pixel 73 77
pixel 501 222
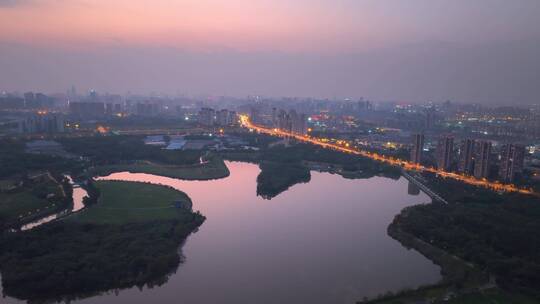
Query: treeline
pixel 300 153
pixel 105 150
pixel 66 259
pixel 499 233
pixel 14 160
pixel 92 192
pixel 278 177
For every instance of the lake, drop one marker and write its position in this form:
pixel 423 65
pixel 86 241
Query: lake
pixel 320 242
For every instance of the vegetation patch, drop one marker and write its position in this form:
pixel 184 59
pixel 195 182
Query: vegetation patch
pixel 33 198
pixel 496 234
pixel 214 168
pixel 130 202
pixel 129 238
pixel 278 177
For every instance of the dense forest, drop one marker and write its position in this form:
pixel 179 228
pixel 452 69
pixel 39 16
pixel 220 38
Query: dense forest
pixel 65 260
pixel 14 160
pixel 499 233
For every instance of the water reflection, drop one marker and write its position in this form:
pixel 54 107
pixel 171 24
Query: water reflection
pixel 320 242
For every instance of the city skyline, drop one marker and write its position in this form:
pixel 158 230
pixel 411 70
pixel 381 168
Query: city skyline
pixel 481 52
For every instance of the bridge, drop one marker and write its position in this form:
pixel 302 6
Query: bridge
pixel 434 196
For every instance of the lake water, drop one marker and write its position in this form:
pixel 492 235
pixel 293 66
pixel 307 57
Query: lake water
pixel 320 242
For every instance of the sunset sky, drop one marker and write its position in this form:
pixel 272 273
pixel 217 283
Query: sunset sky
pixel 403 50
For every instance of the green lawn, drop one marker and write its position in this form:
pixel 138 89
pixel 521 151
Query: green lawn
pixel 128 202
pixel 213 170
pixel 20 204
pixel 29 200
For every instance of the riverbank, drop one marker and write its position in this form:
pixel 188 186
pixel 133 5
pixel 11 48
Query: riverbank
pixel 214 168
pixel 459 277
pixel 130 202
pixel 479 234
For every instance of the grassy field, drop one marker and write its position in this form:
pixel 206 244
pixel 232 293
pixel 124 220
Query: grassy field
pixel 214 169
pixel 20 204
pixel 29 200
pixel 129 202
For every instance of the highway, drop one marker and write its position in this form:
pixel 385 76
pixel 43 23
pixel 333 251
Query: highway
pixel 406 165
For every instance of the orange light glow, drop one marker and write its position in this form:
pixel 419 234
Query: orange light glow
pixel 102 129
pixel 496 186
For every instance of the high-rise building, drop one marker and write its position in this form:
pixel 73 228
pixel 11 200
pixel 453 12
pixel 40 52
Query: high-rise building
pixel 232 120
pixel 223 118
pixel 290 122
pixel 482 159
pixel 466 157
pixel 445 148
pixel 255 114
pixel 207 116
pixel 298 122
pixel 42 123
pixel 148 108
pixel 87 109
pixel 274 118
pixel 430 118
pixel 417 149
pixel 109 108
pixel 283 120
pixel 512 157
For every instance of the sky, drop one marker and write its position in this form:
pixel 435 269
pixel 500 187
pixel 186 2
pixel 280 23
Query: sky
pixel 483 51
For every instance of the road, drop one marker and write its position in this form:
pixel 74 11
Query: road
pixel 406 165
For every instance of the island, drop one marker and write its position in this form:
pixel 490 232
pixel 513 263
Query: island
pixel 130 238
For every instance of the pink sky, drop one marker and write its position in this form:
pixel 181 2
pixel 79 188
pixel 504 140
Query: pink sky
pixel 418 50
pixel 193 24
pixel 247 25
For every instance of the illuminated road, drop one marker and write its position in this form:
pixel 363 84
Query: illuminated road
pixel 496 186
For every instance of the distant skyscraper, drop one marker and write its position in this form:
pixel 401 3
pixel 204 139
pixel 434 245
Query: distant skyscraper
pixel 148 108
pixel 298 122
pixel 109 108
pixel 445 148
pixel 283 120
pixel 466 156
pixel 274 118
pixel 87 109
pixel 418 148
pixel 42 123
pixel 430 118
pixel 512 157
pixel 482 159
pixel 29 98
pixel 255 115
pixel 206 116
pixel 223 118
